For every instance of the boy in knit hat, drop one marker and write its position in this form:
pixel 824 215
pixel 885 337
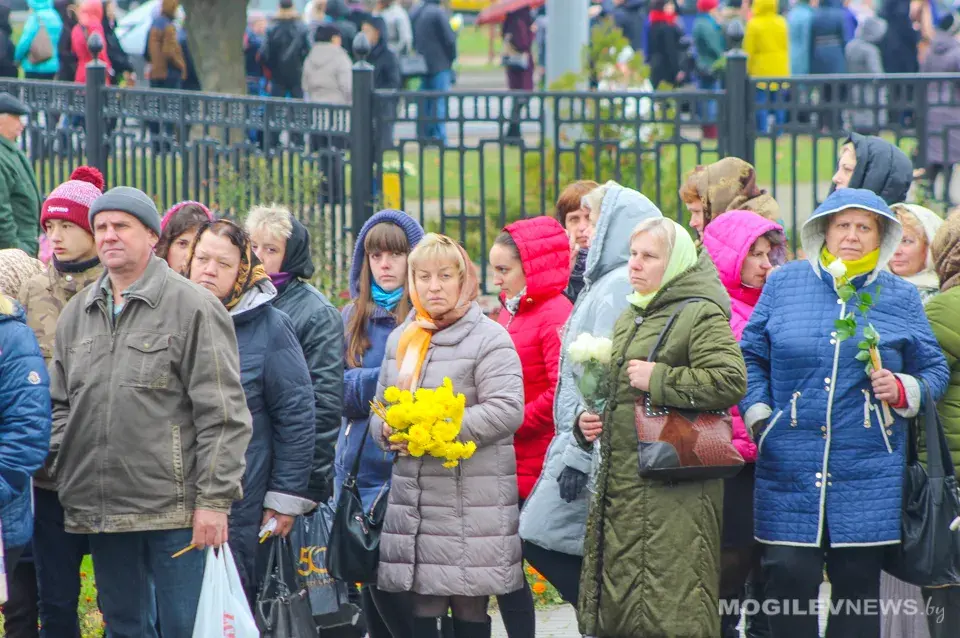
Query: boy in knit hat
pixel 64 216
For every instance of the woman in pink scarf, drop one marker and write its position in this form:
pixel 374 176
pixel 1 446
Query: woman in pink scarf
pixel 745 247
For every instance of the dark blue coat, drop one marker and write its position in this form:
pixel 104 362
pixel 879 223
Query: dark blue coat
pixel 360 384
pixel 24 423
pixel 433 38
pixel 828 34
pixel 280 398
pixel 825 458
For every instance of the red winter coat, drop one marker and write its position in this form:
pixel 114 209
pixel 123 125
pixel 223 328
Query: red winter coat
pixel 535 329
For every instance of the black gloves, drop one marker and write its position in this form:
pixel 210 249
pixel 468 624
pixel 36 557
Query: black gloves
pixel 572 482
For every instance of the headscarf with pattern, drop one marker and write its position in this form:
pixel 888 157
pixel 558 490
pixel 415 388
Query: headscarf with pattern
pixel 731 184
pixel 251 271
pixel 946 252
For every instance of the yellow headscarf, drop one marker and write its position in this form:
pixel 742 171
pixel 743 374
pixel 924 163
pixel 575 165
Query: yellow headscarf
pixel 866 264
pixel 682 258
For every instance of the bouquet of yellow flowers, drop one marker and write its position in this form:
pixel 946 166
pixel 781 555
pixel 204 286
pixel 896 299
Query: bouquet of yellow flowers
pixel 428 421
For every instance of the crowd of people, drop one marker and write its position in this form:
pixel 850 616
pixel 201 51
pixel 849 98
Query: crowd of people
pixel 173 380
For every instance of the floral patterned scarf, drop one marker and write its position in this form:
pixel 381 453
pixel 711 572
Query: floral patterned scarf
pixel 251 270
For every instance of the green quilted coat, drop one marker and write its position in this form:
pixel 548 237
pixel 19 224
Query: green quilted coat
pixel 652 551
pixel 943 311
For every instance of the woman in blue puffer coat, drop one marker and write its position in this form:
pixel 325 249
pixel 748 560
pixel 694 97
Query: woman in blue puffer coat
pixel 43 17
pixel 380 303
pixel 24 426
pixel 830 465
pixel 277 386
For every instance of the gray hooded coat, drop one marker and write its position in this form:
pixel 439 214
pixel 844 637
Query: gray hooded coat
pixel 864 58
pixel 547 520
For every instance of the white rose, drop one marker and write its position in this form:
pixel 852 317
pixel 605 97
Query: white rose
pixel 838 269
pixel 603 350
pixel 578 350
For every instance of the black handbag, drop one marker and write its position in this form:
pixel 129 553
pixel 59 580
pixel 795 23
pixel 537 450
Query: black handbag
pixel 283 604
pixel 354 547
pixel 929 552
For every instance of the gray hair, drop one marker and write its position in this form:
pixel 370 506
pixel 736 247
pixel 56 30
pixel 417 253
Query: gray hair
pixel 661 228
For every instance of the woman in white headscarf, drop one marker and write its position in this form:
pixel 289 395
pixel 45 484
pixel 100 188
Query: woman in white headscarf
pixel 912 260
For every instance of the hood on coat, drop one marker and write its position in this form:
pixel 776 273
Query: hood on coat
pixel 946 253
pixel 173 210
pixel 262 293
pixel 881 167
pixel 729 238
pixel 11 310
pixel 323 56
pixel 764 8
pixel 813 235
pixel 545 254
pixel 931 223
pixel 16 268
pixel 296 257
pixel 620 211
pixel 943 43
pixel 40 5
pixel 701 280
pixel 872 29
pixel 412 229
pixel 90 13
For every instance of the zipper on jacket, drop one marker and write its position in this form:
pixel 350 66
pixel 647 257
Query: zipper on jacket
pixel 793 409
pixel 460 490
pixel 869 407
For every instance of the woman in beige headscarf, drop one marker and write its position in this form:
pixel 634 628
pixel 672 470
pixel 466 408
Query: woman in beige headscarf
pixel 730 184
pixel 16 267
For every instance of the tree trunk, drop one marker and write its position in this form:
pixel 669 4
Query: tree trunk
pixel 215 31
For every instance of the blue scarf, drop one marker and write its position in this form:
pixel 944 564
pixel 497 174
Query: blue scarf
pixel 386 300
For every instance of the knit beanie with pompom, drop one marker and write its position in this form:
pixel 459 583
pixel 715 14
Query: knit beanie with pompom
pixel 71 200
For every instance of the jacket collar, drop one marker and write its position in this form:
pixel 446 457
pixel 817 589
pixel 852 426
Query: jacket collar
pixel 454 334
pixel 70 283
pixel 149 288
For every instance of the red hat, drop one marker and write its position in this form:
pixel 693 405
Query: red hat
pixel 71 200
pixel 706 6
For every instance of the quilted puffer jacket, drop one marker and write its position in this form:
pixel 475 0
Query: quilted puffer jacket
pixel 825 453
pixel 881 167
pixel 24 421
pixel 729 239
pixel 453 532
pixel 535 330
pixel 547 520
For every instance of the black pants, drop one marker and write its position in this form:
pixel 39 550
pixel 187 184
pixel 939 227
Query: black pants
pixel 277 89
pixel 389 615
pixel 561 570
pixel 20 612
pixel 943 611
pixel 793 576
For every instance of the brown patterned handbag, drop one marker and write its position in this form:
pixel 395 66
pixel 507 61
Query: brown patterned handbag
pixel 676 444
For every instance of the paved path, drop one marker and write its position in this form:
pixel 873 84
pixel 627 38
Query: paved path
pixel 556 622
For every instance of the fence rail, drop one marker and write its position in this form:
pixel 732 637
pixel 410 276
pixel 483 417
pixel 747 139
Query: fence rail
pixel 468 163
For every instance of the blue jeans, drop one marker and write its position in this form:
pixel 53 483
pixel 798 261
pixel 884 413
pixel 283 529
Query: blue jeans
pixel 708 110
pixel 138 582
pixel 766 96
pixel 435 109
pixel 57 556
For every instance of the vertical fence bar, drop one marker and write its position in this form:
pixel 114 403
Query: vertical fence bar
pixel 362 136
pixel 737 121
pixel 96 127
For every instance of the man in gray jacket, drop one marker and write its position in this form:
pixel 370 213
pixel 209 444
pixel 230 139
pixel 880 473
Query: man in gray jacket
pixel 150 423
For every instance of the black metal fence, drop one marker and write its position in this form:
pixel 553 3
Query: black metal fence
pixel 467 163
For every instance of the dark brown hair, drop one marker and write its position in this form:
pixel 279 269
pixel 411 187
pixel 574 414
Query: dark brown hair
pixel 570 198
pixel 188 218
pixel 383 237
pixel 506 239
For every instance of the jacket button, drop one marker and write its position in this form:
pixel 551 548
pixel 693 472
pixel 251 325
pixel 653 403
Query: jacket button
pixel 69 277
pixel 819 484
pixel 829 483
pixel 827 380
pixel 833 334
pixel 819 475
pixel 839 301
pixel 833 342
pixel 638 320
pixel 829 475
pixel 529 300
pixel 620 361
pixel 823 428
pixel 613 405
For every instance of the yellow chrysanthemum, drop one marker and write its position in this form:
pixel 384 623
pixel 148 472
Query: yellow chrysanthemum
pixel 406 397
pixel 391 394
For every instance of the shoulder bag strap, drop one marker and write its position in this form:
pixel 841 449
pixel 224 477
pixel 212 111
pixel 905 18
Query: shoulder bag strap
pixel 673 318
pixel 355 468
pixel 939 463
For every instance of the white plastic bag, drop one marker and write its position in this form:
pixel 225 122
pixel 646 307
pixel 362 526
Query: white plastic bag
pixel 223 611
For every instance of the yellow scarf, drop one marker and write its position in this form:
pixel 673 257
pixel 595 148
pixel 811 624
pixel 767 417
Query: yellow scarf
pixel 866 264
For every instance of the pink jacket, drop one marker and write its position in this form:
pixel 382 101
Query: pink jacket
pixel 728 239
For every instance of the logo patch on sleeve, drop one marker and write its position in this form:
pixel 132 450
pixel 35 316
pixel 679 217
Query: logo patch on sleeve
pixel 33 377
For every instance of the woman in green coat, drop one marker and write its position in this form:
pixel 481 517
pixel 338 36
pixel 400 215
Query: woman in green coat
pixel 652 551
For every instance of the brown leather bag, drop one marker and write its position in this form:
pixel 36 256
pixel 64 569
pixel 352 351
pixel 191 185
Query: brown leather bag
pixel 41 49
pixel 679 444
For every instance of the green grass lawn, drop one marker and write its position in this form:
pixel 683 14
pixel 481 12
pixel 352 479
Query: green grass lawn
pixel 91 622
pixel 473 48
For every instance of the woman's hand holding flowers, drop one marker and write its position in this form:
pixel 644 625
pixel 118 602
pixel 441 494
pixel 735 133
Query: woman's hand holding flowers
pixel 400 447
pixel 885 386
pixel 591 426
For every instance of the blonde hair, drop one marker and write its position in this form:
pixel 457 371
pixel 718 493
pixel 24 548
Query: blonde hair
pixel 593 201
pixel 659 227
pixel 911 223
pixel 436 248
pixel 6 305
pixel 273 220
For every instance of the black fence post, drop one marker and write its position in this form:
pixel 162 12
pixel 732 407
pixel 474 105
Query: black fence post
pixel 362 136
pixel 738 123
pixel 95 102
